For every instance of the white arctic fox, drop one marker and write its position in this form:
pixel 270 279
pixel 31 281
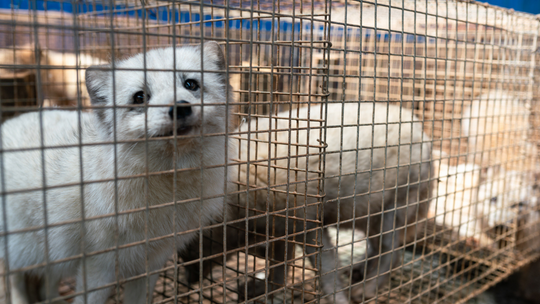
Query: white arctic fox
pixel 371 152
pixel 130 188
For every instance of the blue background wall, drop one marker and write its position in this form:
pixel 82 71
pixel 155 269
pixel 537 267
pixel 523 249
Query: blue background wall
pixel 529 6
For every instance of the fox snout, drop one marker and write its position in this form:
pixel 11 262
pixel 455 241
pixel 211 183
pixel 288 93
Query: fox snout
pixel 183 110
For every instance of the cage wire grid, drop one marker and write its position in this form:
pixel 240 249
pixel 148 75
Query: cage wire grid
pixel 443 93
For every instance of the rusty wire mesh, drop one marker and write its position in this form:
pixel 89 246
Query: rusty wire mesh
pixel 382 152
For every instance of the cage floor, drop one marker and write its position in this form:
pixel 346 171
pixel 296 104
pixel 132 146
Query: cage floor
pixel 443 270
pixel 437 270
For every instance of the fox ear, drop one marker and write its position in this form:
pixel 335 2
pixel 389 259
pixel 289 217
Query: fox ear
pixel 97 78
pixel 214 51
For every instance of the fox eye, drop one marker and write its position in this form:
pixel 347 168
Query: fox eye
pixel 140 97
pixel 191 85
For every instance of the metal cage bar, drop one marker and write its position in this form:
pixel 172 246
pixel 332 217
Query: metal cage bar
pixel 320 152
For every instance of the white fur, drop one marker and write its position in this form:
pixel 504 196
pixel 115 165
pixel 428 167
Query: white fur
pixel 497 126
pixel 473 202
pixel 347 177
pixel 23 171
pixel 505 196
pixel 456 206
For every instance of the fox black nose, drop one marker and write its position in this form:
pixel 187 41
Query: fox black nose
pixel 183 110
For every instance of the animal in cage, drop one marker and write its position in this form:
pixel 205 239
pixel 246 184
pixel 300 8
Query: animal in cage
pixel 507 200
pixel 61 74
pixel 377 179
pixel 497 126
pixel 456 206
pixel 111 184
pixel 479 205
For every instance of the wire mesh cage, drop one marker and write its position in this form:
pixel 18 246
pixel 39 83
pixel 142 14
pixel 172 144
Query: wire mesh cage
pixel 265 152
